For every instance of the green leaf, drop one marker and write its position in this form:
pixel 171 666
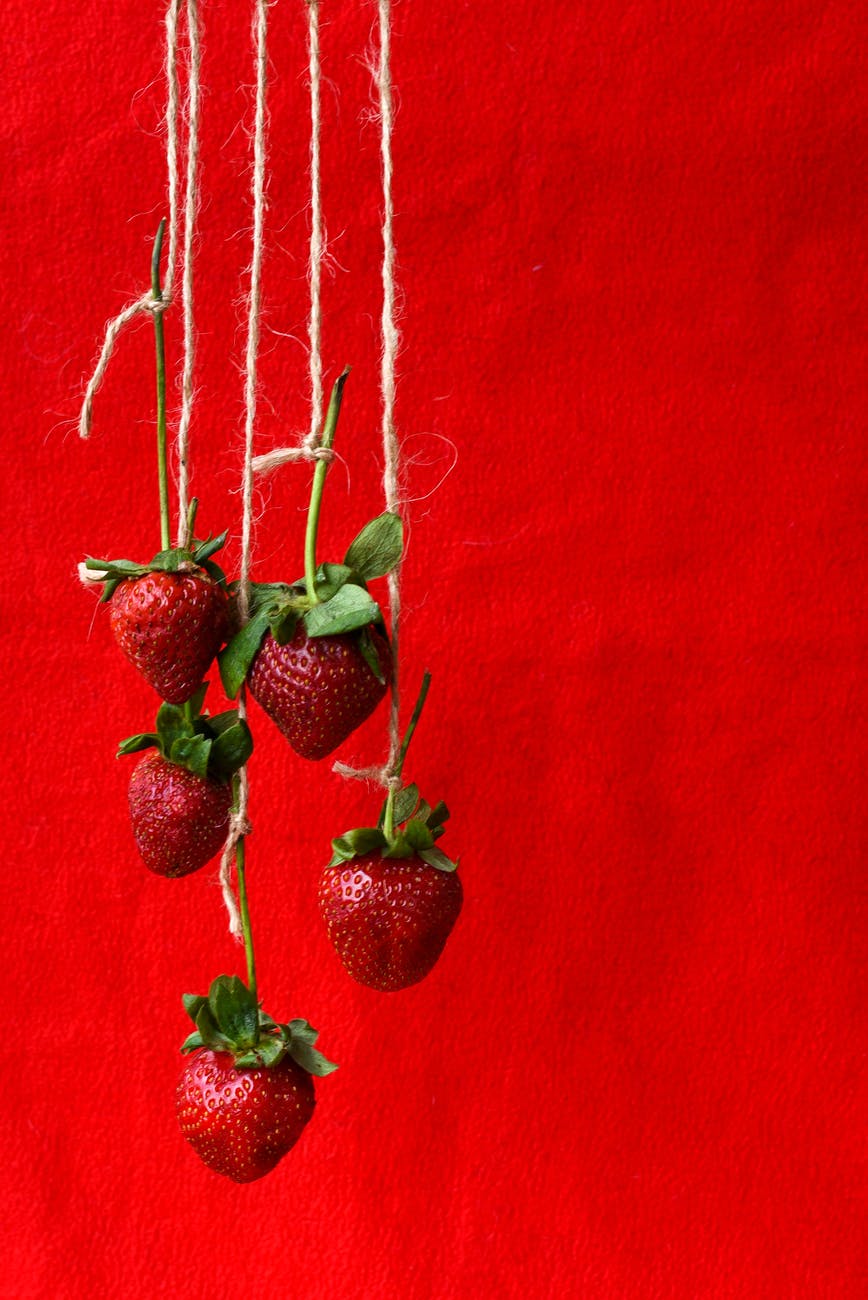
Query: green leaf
pixel 377 548
pixel 267 1052
pixel 301 1048
pixel 193 1004
pixel 209 1031
pixel 283 625
pixel 172 725
pixel 405 803
pixel 356 843
pixel 439 815
pixel 191 752
pixel 230 750
pixel 435 858
pixel 194 1041
pixel 330 578
pixel 234 1009
pixel 368 651
pixel 204 550
pixel 348 609
pixel 238 655
pixel 418 836
pixel 170 561
pixel 132 744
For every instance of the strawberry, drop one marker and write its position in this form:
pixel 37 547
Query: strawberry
pixel 389 897
pixel 319 689
pixel 170 626
pixel 180 821
pixel 246 1094
pixel 315 653
pixel 169 617
pixel 180 795
pixel 388 918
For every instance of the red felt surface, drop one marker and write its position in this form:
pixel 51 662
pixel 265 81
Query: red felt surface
pixel 632 264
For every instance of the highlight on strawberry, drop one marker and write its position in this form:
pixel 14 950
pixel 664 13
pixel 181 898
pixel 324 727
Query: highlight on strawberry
pixel 180 792
pixel 389 896
pixel 315 653
pixel 246 1093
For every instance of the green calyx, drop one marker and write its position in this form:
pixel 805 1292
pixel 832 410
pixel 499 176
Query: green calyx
pixel 211 748
pixel 179 559
pixel 230 1020
pixel 416 828
pixel 340 602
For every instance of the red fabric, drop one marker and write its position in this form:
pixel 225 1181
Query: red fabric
pixel 631 261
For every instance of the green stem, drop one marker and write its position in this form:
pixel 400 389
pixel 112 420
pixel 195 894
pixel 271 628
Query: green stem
pixel 191 521
pixel 319 476
pixel 242 898
pixel 162 466
pixel 389 819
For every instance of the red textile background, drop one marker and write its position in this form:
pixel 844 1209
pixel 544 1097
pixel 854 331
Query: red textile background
pixel 630 246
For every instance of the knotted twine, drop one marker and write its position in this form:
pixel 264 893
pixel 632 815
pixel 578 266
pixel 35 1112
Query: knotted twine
pixel 147 302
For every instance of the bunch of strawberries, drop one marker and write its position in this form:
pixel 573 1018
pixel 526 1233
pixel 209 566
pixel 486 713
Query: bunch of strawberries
pixel 316 656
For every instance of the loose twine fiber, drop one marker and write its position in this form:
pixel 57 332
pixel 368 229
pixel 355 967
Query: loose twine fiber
pixel 147 302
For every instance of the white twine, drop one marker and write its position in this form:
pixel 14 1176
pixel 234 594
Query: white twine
pixel 390 342
pixel 190 214
pixel 239 824
pixel 147 302
pixel 308 448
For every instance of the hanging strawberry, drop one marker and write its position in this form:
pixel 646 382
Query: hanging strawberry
pixel 180 791
pixel 246 1093
pixel 315 653
pixel 390 897
pixel 169 617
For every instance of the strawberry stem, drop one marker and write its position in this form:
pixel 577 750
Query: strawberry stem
pixel 389 819
pixel 242 897
pixel 159 338
pixel 319 476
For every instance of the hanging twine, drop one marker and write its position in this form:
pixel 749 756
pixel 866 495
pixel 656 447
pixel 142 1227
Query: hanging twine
pixel 239 824
pixel 147 302
pixel 308 448
pixel 190 213
pixel 390 342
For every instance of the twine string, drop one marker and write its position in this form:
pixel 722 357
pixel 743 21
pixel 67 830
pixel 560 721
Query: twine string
pixel 239 823
pixel 390 339
pixel 147 302
pixel 190 214
pixel 308 447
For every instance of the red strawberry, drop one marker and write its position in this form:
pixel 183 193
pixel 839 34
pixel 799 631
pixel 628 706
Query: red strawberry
pixel 388 918
pixel 318 689
pixel 180 820
pixel 170 626
pixel 246 1093
pixel 242 1122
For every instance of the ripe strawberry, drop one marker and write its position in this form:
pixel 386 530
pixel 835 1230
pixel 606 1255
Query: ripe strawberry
pixel 388 918
pixel 318 689
pixel 180 795
pixel 169 617
pixel 170 626
pixel 180 821
pixel 246 1094
pixel 242 1122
